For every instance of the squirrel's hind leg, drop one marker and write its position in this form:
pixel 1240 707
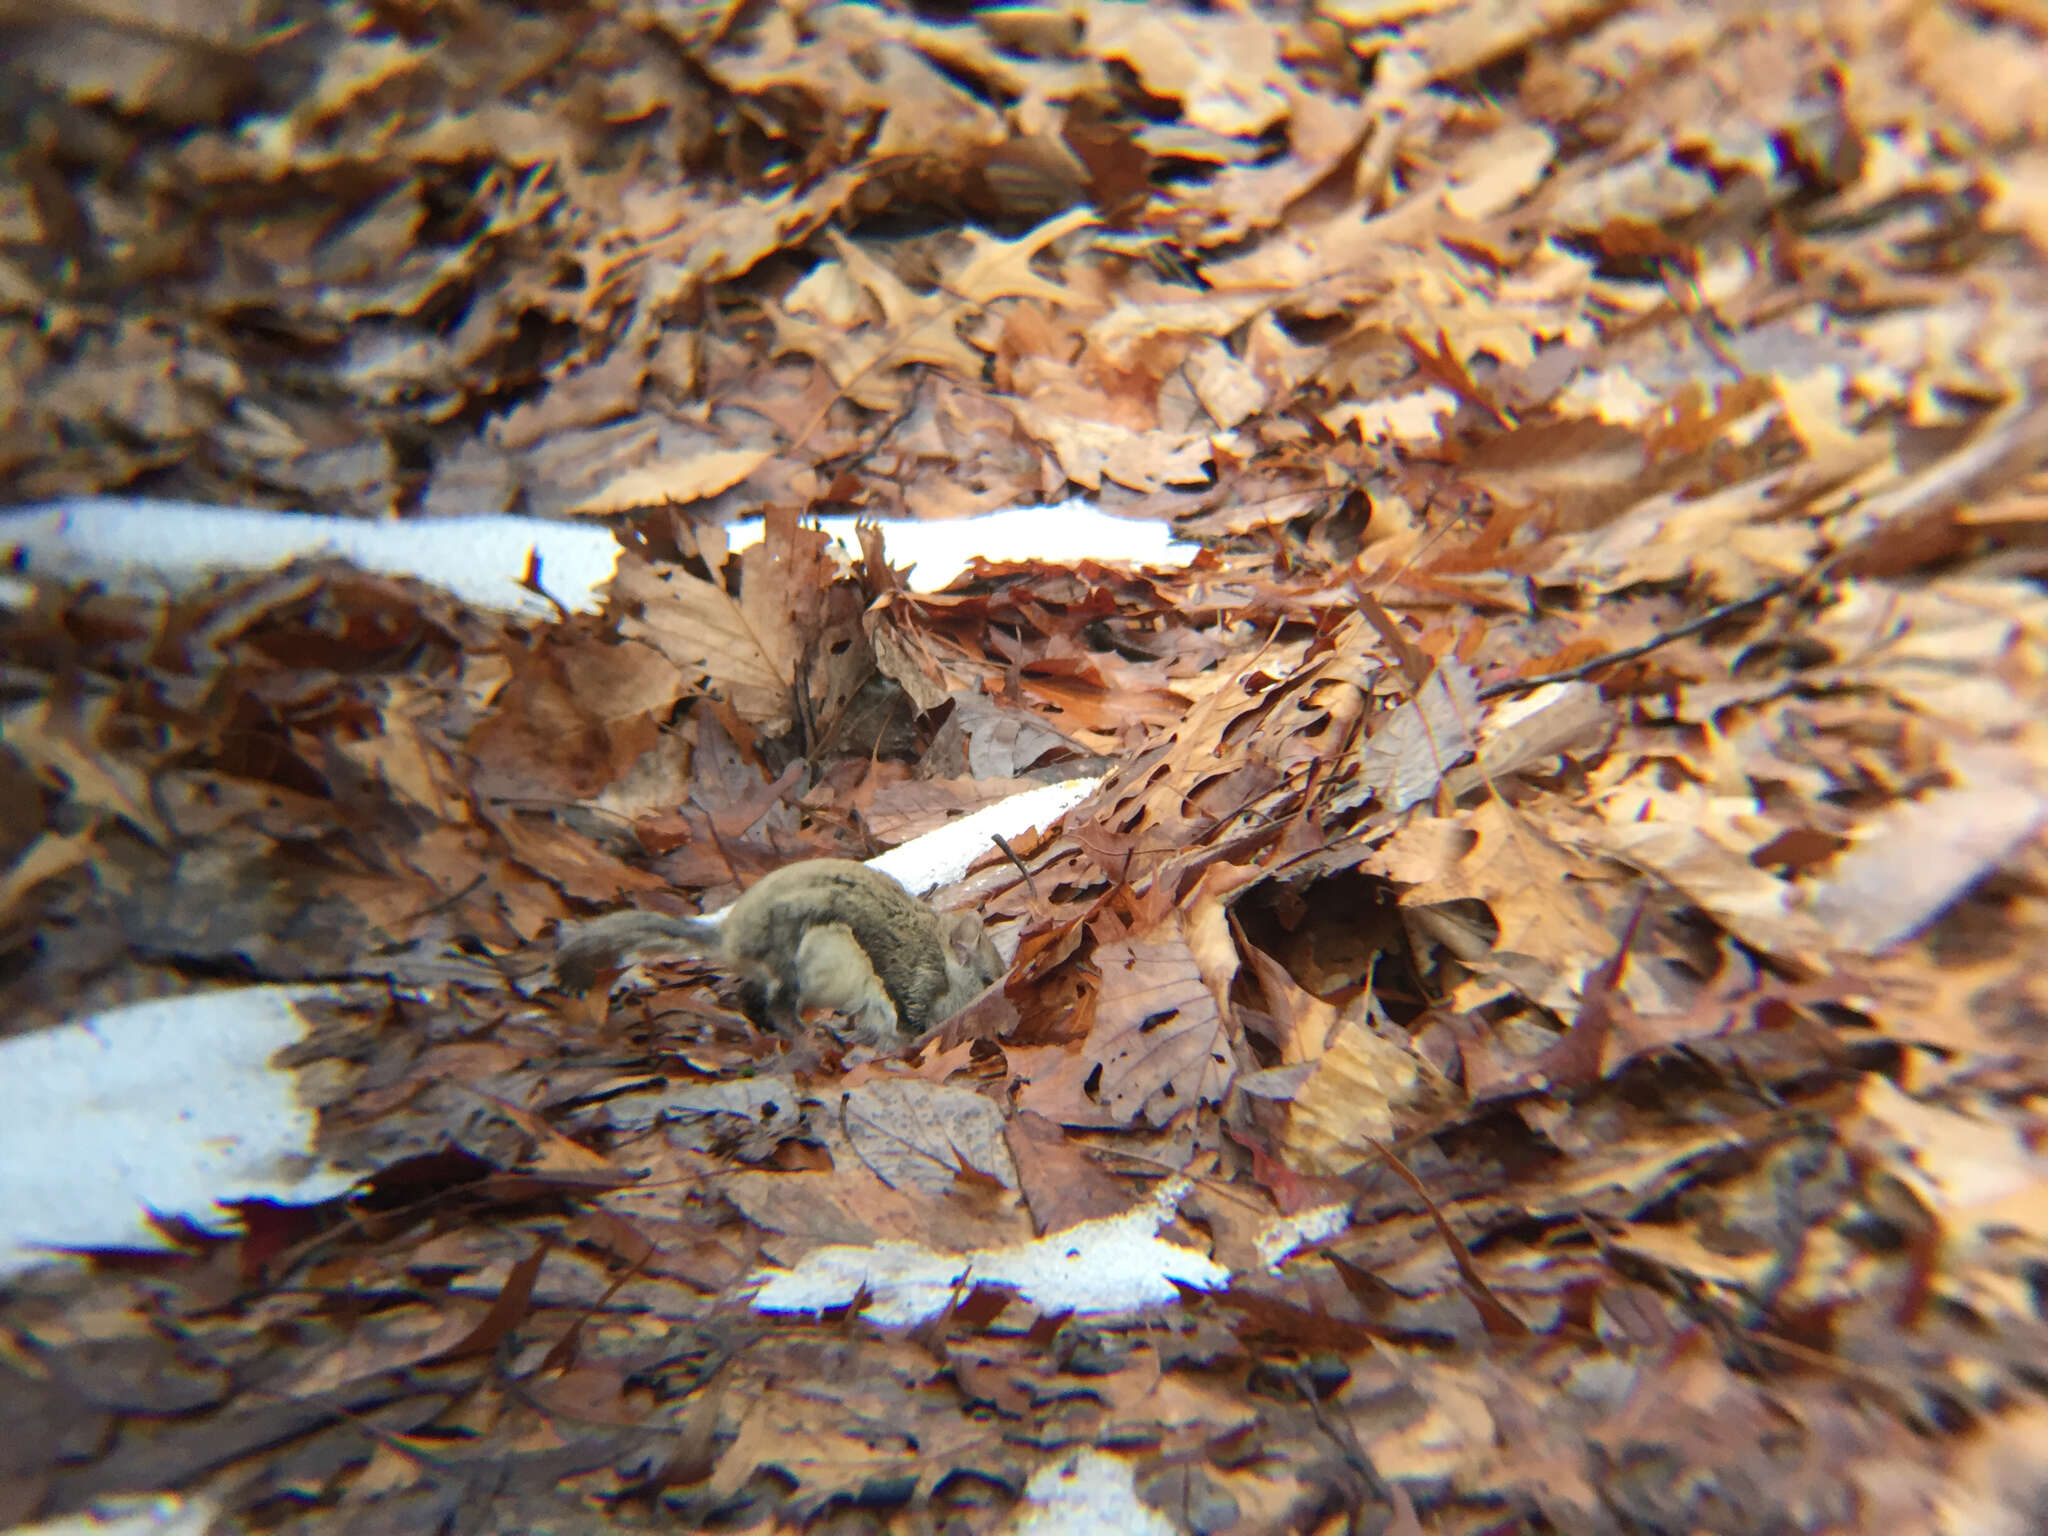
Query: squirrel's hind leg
pixel 833 971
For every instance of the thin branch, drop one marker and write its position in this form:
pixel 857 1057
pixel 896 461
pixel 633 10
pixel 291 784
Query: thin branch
pixel 1707 620
pixel 1029 884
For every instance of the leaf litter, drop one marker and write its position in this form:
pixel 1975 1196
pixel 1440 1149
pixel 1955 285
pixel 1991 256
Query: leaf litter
pixel 1554 949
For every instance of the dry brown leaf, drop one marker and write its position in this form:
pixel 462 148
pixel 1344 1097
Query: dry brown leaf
pixel 1410 750
pixel 1536 727
pixel 1060 1182
pixel 1918 859
pixel 742 645
pixel 607 388
pixel 1753 904
pixel 572 861
pixel 1955 652
pixel 926 1136
pixel 1355 1085
pixel 900 812
pixel 1550 934
pixel 1972 1170
pixel 405 760
pixel 1511 164
pixel 575 716
pixel 1159 1042
pixel 49 856
pixel 1221 67
pixel 65 749
pixel 1001 269
pixel 673 481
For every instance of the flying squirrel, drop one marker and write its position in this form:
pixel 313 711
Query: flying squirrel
pixel 820 933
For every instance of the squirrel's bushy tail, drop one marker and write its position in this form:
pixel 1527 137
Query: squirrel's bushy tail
pixel 617 939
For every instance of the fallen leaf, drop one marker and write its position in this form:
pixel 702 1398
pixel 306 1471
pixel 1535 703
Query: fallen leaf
pixel 926 1136
pixel 1158 1043
pixel 677 480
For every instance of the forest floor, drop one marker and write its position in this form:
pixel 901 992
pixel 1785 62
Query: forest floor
pixel 1543 984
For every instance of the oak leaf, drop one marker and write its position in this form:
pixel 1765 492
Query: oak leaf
pixel 670 481
pixel 1159 1042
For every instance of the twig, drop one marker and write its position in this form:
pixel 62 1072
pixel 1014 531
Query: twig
pixel 2009 440
pixel 1700 316
pixel 1344 1439
pixel 445 903
pixel 1029 884
pixel 1500 1319
pixel 532 582
pixel 1706 620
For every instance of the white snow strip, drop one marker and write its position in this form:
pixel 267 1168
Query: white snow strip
pixel 1061 534
pixel 166 1106
pixel 147 1514
pixel 136 544
pixel 1112 1264
pixel 140 545
pixel 1086 1493
pixel 942 855
pixel 1281 1236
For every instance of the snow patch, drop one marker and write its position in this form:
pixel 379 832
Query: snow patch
pixel 1112 1264
pixel 942 855
pixel 1085 1493
pixel 1283 1235
pixel 168 1106
pixel 137 544
pixel 133 544
pixel 1061 534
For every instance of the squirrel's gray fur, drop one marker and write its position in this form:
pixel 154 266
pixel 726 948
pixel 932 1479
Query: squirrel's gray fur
pixel 825 933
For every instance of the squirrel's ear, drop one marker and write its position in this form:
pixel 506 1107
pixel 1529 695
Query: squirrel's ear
pixel 961 931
